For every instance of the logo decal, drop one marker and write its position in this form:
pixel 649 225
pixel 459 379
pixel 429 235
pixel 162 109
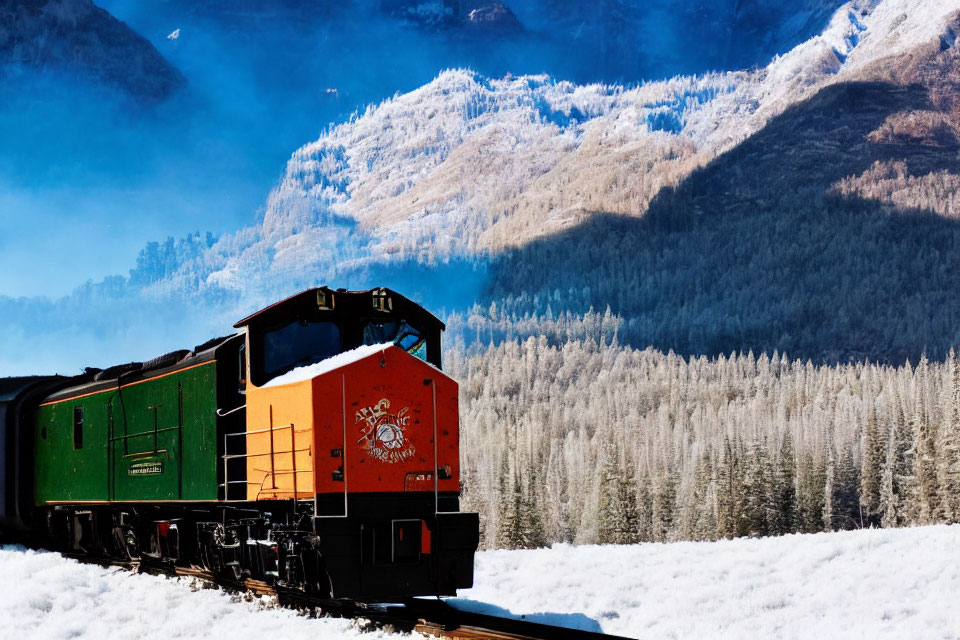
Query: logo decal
pixel 383 434
pixel 145 468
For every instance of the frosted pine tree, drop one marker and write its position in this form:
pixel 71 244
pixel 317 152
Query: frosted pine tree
pixel 531 532
pixel 846 509
pixel 557 500
pixel 626 520
pixel 924 481
pixel 664 505
pixel 811 477
pixel 757 479
pixel 644 507
pixel 889 507
pixel 948 449
pixel 902 467
pixel 509 526
pixel 783 517
pixel 871 469
pixel 702 502
pixel 729 492
pixel 828 495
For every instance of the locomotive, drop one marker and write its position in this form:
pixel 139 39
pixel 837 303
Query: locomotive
pixel 315 449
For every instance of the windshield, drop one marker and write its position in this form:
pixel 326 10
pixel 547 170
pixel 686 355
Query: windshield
pixel 298 344
pixel 399 333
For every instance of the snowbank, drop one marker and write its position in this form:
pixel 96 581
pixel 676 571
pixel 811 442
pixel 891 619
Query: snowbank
pixel 45 596
pixel 334 362
pixel 892 583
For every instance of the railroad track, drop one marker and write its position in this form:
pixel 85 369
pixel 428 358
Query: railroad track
pixel 429 617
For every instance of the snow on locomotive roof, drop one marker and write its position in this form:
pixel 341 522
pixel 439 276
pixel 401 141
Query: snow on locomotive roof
pixel 333 362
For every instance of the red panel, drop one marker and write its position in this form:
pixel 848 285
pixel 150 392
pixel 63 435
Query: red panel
pixel 328 431
pixel 389 400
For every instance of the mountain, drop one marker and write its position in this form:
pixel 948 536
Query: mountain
pixel 551 151
pixel 713 213
pixel 77 38
pixel 262 78
pixel 807 206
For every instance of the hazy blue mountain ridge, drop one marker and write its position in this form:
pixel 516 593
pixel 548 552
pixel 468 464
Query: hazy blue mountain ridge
pixel 76 37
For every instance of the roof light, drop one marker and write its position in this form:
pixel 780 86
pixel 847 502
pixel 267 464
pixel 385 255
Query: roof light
pixel 382 300
pixel 324 300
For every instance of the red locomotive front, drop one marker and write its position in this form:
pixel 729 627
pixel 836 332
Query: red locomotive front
pixel 389 421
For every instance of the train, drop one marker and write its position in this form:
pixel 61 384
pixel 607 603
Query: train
pixel 316 448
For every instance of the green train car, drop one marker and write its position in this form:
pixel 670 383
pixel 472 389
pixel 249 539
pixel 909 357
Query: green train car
pixel 344 483
pixel 159 425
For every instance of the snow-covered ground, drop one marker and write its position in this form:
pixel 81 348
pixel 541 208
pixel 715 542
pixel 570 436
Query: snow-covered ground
pixel 891 583
pixel 859 584
pixel 44 596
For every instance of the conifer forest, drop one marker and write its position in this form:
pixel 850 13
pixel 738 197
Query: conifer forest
pixel 589 441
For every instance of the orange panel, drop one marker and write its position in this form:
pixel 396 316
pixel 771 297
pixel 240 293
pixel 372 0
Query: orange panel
pixel 280 442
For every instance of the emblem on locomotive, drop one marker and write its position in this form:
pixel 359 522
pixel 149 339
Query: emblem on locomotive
pixel 383 433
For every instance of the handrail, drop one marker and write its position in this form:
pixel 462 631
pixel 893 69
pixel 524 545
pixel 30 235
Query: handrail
pixel 142 434
pixel 223 414
pixel 436 445
pixel 257 455
pixel 272 473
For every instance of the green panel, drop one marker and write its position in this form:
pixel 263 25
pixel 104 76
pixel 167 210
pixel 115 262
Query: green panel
pixel 155 440
pixel 62 472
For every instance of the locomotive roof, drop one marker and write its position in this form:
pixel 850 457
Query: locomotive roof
pixel 95 380
pixel 353 303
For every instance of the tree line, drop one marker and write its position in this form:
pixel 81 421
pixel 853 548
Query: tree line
pixel 590 441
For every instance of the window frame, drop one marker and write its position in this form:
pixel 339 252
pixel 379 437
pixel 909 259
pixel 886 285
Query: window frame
pixel 258 339
pixel 77 428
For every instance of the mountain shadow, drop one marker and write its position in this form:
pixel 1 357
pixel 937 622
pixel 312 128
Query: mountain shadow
pixel 759 250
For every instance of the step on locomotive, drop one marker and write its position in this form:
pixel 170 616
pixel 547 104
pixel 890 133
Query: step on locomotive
pixel 316 449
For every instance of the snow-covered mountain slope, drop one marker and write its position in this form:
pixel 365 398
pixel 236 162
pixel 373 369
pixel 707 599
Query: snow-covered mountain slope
pixel 468 164
pixel 78 38
pixel 892 583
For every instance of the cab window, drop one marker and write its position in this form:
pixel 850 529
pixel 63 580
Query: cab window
pixel 296 344
pixel 400 333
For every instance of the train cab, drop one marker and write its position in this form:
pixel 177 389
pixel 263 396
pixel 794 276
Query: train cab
pixel 349 414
